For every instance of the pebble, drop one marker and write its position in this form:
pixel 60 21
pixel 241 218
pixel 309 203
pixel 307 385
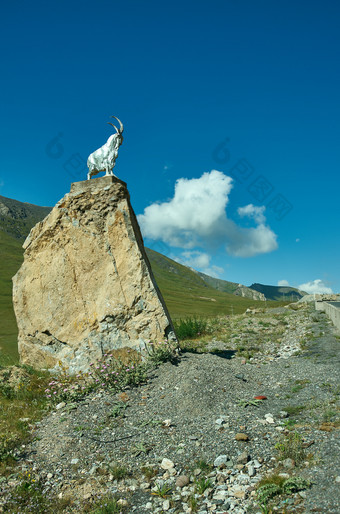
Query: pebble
pixel 241 437
pixel 251 471
pixel 60 405
pixel 220 460
pixel 167 464
pixel 166 505
pixel 243 458
pixel 182 481
pixel 288 463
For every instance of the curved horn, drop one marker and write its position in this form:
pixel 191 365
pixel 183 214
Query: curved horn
pixel 114 126
pixel 120 124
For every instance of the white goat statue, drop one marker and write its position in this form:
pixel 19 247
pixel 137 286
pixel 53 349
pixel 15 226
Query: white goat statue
pixel 104 159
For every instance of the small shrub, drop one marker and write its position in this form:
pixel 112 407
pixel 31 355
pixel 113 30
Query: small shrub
pixel 118 471
pixel 190 328
pixel 266 492
pixel 116 375
pixel 162 352
pixel 294 485
pixel 290 447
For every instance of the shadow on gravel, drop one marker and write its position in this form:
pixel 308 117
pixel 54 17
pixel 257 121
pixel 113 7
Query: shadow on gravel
pixel 225 354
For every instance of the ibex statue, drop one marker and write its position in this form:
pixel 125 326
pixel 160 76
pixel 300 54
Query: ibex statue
pixel 104 159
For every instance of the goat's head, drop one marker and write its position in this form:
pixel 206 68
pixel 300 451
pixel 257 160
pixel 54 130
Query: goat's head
pixel 121 127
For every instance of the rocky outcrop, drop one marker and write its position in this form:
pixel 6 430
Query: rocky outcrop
pixel 246 292
pixel 86 286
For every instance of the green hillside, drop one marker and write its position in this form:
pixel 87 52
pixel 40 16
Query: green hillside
pixel 187 294
pixel 280 293
pixel 17 218
pixel 10 261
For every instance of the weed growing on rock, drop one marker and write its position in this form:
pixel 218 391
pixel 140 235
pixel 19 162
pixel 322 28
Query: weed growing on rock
pixel 291 447
pixel 109 504
pixel 246 403
pixel 203 465
pixel 201 484
pixel 118 410
pixel 162 489
pixel 118 471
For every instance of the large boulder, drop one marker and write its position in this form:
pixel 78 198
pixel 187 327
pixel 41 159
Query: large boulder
pixel 86 286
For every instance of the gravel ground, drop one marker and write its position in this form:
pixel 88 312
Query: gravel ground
pixel 195 410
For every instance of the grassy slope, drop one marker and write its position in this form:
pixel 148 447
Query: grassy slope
pixel 187 294
pixel 10 260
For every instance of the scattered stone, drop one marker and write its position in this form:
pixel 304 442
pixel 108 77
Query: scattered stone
pixel 182 481
pixel 167 464
pixel 60 405
pixel 220 461
pixel 166 505
pixel 221 421
pixel 251 470
pixel 74 461
pixel 288 463
pixel 241 437
pixel 239 494
pixel 269 418
pixel 243 458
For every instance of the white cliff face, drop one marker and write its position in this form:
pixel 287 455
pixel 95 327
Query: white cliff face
pixel 86 286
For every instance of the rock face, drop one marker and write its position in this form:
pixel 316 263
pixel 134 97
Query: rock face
pixel 246 292
pixel 86 286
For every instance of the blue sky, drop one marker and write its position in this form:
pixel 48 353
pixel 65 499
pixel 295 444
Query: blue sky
pixel 248 89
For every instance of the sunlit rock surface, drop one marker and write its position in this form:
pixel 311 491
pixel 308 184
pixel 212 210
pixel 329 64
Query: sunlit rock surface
pixel 86 285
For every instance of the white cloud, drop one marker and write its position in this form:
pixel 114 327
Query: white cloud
pixel 297 240
pixel 195 259
pixel 199 261
pixel 315 286
pixel 283 283
pixel 196 218
pixel 253 211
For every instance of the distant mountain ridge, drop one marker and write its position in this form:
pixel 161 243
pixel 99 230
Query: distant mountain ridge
pixel 17 218
pixel 232 287
pixel 283 293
